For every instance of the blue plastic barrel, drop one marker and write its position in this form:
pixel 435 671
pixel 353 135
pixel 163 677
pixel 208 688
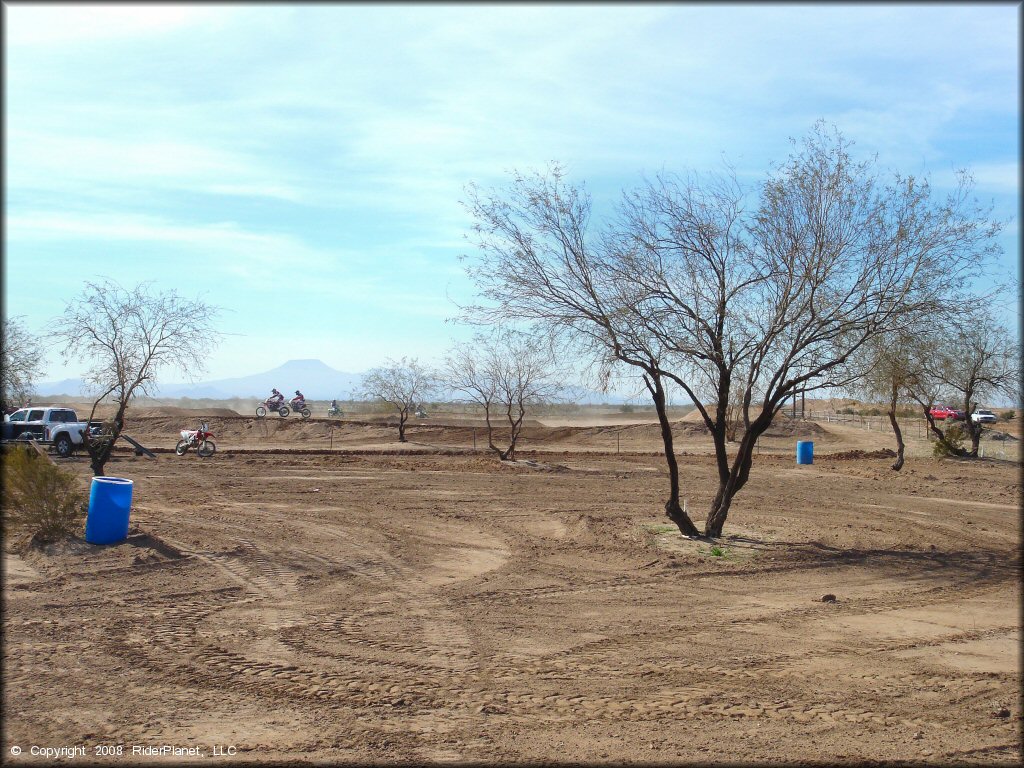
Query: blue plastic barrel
pixel 110 501
pixel 804 452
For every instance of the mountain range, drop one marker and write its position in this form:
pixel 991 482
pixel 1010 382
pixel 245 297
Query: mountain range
pixel 317 380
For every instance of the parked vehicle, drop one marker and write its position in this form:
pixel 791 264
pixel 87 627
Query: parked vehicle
pixel 56 426
pixel 941 413
pixel 198 439
pixel 982 416
pixel 280 409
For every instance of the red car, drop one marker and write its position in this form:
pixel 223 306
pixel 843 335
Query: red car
pixel 941 413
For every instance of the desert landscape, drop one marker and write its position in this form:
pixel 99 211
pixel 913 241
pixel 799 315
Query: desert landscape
pixel 318 592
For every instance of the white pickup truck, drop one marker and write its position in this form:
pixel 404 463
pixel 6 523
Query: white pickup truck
pixel 56 426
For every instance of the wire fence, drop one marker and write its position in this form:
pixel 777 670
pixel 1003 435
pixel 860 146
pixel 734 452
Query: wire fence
pixel 911 427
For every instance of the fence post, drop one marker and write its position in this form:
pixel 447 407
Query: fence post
pixel 474 438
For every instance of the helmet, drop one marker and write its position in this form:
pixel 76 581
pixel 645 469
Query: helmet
pixel 297 392
pixel 275 391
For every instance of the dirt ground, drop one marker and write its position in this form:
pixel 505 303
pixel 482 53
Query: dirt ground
pixel 317 592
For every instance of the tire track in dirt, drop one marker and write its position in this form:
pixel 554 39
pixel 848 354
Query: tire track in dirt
pixel 469 702
pixel 172 652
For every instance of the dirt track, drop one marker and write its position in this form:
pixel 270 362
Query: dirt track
pixel 441 606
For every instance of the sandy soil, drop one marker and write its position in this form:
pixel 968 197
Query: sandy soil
pixel 316 592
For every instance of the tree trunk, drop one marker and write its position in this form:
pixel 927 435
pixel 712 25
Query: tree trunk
pixel 894 397
pixel 100 450
pixel 972 428
pixel 490 428
pixel 515 427
pixel 739 472
pixel 673 509
pixel 99 453
pixel 975 432
pixel 939 434
pixel 402 416
pixel 898 464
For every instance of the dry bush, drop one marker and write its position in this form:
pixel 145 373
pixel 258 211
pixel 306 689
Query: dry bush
pixel 952 444
pixel 41 501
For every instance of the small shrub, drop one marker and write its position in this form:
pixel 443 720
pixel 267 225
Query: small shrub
pixel 952 444
pixel 41 501
pixel 717 551
pixel 1008 415
pixel 626 408
pixel 847 411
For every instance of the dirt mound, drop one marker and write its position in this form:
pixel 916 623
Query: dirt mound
pixel 884 453
pixel 785 427
pixel 170 410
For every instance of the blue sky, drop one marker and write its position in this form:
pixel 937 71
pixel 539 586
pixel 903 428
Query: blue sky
pixel 302 166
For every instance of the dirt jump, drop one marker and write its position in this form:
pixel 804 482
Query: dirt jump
pixel 316 592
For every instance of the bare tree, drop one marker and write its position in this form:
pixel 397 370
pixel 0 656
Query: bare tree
pixel 129 336
pixel 403 384
pixel 469 369
pixel 978 361
pixel 892 369
pixel 509 370
pixel 21 353
pixel 923 386
pixel 691 288
pixel 525 375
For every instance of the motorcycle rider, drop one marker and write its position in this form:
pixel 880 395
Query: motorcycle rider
pixel 275 399
pixel 299 400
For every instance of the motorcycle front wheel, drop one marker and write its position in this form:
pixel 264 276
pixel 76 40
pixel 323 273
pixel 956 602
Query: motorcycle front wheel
pixel 261 412
pixel 283 413
pixel 181 448
pixel 206 449
pixel 305 413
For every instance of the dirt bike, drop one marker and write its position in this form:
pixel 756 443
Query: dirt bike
pixel 198 439
pixel 299 406
pixel 335 412
pixel 279 408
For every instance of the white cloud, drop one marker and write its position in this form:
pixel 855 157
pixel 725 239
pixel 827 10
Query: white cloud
pixel 384 277
pixel 68 163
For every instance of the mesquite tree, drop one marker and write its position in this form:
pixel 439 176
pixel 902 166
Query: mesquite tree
pixel 403 384
pixel 978 361
pixel 21 354
pixel 525 375
pixel 506 369
pixel 728 293
pixel 129 336
pixel 892 370
pixel 469 369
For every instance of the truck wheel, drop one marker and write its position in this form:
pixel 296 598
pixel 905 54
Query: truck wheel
pixel 64 446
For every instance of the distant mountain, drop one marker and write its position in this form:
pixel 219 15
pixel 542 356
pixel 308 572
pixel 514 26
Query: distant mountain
pixel 63 387
pixel 317 381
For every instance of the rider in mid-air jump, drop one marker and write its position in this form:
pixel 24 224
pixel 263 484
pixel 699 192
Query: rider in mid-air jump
pixel 275 399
